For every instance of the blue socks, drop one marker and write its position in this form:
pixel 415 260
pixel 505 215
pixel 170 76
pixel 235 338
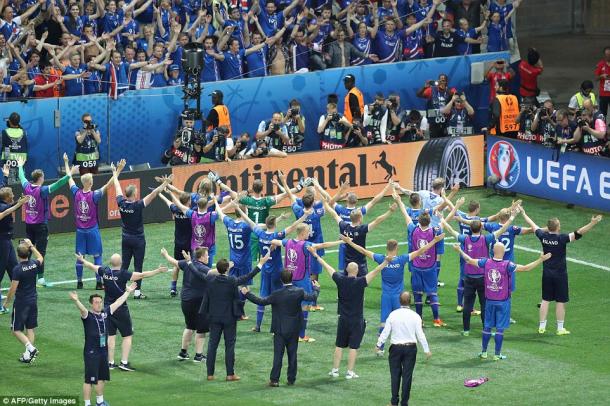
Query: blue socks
pixel 97 260
pixel 419 305
pixel 260 312
pixel 304 325
pixel 380 330
pixel 486 338
pixel 173 284
pixel 438 268
pixel 79 271
pixel 460 292
pixel 434 305
pixel 499 338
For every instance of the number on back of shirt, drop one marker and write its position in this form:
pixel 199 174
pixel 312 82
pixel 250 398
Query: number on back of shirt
pixel 236 241
pixel 506 242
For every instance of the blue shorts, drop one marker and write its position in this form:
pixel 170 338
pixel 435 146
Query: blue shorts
pixel 241 269
pixel 497 314
pixel 389 303
pixel 270 282
pixel 513 282
pixel 89 241
pixel 424 281
pixel 306 285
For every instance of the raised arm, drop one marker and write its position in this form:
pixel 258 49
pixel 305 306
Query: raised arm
pixel 357 247
pixel 14 207
pixel 81 308
pixel 505 226
pixel 378 197
pixel 532 265
pixel 383 217
pixel 301 219
pixel 371 275
pixel 529 221
pixel 586 228
pixel 154 193
pixel 448 228
pixel 466 257
pixel 119 302
pixel 331 211
pixel 244 216
pixel 403 209
pixel 173 261
pixel 261 262
pixel 136 276
pixel 38 256
pixel 321 261
pixel 87 264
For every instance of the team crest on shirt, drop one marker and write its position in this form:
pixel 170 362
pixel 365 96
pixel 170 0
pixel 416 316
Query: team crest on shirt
pixel 494 277
pixel 421 244
pixel 291 255
pixel 83 206
pixel 32 202
pixel 199 231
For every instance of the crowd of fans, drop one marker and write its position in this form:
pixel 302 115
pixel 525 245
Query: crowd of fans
pixel 52 48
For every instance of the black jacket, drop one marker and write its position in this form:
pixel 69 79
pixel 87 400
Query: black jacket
pixel 221 301
pixel 287 313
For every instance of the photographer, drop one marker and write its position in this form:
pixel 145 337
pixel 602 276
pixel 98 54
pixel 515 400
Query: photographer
pixel 333 128
pixel 262 148
pixel 413 127
pixel 543 126
pixel 216 144
pixel 240 147
pixel 589 135
pixel 526 121
pixel 295 124
pixel 187 142
pixel 355 136
pixel 14 145
pixel 375 120
pixel 395 114
pixel 459 115
pixel 437 94
pixel 273 132
pixel 565 130
pixel 87 153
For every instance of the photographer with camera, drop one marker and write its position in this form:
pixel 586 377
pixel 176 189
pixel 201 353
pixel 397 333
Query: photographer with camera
pixel 499 70
pixel 88 141
pixel 217 142
pixel 413 127
pixel 274 132
pixel 240 146
pixel 333 128
pixel 564 131
pixel 589 135
pixel 295 125
pixel 543 126
pixel 14 145
pixel 356 136
pixel 395 114
pixel 437 94
pixel 375 120
pixel 183 151
pixel 459 115
pixel 526 121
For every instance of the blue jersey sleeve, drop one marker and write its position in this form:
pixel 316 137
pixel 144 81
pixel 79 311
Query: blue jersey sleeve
pixel 410 228
pixel 403 259
pixel 189 213
pixel 280 235
pixel 489 239
pixel 516 230
pixel 440 246
pixel 481 262
pixel 44 191
pixel 97 196
pixel 363 210
pixel 297 209
pixel 74 189
pixel 258 231
pixel 174 209
pixel 512 267
pixel 378 258
pixel 213 217
pixel 491 227
pixel 284 242
pixel 461 238
pixel 228 221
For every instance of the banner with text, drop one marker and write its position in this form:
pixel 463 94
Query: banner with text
pixel 367 170
pixel 532 169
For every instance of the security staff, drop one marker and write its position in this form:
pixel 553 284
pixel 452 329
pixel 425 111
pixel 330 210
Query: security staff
pixel 585 93
pixel 219 114
pixel 354 100
pixel 14 144
pixel 437 95
pixel 88 139
pixel 504 111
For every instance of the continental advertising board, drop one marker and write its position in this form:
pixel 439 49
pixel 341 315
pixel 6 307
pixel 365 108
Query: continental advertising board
pixel 367 170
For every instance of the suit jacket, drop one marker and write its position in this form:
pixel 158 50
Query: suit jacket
pixel 221 297
pixel 287 313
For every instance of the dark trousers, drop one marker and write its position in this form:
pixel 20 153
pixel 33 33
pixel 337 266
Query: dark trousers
pixel 473 287
pixel 402 362
pixel 230 334
pixel 133 246
pixel 290 343
pixel 8 259
pixel 604 102
pixel 39 235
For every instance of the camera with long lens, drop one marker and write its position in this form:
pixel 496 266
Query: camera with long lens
pixel 335 117
pixel 581 122
pixel 275 127
pixel 90 125
pixel 294 111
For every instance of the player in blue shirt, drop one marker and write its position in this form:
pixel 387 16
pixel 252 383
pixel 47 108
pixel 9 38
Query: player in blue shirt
pixel 393 275
pixel 270 273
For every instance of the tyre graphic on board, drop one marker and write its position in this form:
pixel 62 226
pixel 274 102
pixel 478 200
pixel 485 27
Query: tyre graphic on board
pixel 445 158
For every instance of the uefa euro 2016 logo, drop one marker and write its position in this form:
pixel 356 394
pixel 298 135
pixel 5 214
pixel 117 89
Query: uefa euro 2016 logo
pixel 199 231
pixel 503 163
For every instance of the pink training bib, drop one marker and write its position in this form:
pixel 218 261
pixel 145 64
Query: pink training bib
pixel 472 383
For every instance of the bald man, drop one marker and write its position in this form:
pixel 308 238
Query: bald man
pixel 115 283
pixel 497 274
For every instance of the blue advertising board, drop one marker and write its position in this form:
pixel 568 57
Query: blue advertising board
pixel 533 170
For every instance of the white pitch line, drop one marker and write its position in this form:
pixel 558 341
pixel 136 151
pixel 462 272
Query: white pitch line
pixel 519 247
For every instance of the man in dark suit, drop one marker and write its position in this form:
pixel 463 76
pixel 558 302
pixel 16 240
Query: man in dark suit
pixel 222 305
pixel 286 321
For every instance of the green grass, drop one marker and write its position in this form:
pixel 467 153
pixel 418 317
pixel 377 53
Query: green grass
pixel 540 370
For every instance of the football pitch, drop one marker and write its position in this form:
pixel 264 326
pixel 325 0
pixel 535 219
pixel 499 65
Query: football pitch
pixel 540 369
